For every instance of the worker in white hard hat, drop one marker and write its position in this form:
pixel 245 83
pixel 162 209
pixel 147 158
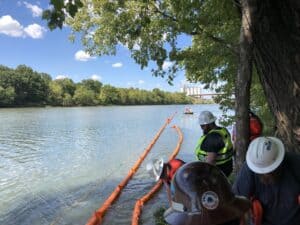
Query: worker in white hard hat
pixel 215 146
pixel 271 177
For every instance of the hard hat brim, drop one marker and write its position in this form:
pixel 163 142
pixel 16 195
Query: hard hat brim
pixel 155 168
pixel 273 166
pixel 213 119
pixel 231 211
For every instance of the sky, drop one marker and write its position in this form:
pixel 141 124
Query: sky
pixel 25 39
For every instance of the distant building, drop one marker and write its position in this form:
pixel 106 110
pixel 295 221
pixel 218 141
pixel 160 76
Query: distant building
pixel 190 90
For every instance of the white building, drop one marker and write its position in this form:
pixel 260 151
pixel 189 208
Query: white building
pixel 190 90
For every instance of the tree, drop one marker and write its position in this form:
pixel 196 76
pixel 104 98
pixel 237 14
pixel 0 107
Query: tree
pixel 150 31
pixel 109 95
pixel 55 94
pixel 28 86
pixel 7 96
pixel 93 85
pixel 84 96
pixel 67 85
pixel 276 49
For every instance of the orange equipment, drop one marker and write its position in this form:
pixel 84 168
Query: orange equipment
pixel 98 215
pixel 256 212
pixel 140 202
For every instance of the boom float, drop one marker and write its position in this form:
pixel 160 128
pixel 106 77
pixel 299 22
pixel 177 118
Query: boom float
pixel 140 202
pixel 97 217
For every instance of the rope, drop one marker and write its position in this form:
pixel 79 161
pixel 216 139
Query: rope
pixel 98 215
pixel 140 202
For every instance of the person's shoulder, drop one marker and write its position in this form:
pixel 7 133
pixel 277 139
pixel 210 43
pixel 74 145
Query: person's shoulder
pixel 214 135
pixel 293 158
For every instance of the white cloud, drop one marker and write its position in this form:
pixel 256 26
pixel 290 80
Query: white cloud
pixel 60 77
pixel 83 56
pixel 117 65
pixel 36 10
pixel 166 65
pixel 141 82
pixel 35 31
pixel 11 27
pixel 96 77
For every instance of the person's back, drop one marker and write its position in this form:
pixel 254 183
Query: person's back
pixel 273 179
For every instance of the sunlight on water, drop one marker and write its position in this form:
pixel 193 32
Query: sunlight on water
pixel 58 165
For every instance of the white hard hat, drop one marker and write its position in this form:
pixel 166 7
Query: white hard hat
pixel 265 154
pixel 206 117
pixel 155 168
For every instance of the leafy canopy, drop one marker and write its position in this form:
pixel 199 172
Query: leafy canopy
pixel 151 30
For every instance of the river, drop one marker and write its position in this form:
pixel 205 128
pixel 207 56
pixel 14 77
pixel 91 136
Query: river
pixel 58 165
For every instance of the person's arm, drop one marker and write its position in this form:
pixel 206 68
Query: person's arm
pixel 244 183
pixel 212 145
pixel 168 189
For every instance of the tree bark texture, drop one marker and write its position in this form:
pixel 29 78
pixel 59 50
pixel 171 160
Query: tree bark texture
pixel 275 28
pixel 243 83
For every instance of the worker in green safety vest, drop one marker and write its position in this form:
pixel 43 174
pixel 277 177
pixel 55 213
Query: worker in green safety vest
pixel 215 146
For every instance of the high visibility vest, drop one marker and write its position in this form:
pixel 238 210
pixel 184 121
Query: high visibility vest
pixel 223 155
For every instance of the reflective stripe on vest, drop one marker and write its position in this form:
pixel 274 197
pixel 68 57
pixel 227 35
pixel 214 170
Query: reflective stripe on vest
pixel 224 154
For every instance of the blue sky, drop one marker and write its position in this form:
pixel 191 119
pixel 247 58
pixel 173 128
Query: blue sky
pixel 26 39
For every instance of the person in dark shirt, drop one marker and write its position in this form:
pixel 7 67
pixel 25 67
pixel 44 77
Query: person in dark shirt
pixel 203 196
pixel 271 177
pixel 215 145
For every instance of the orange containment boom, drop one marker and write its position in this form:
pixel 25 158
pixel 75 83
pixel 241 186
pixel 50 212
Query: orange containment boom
pixel 140 202
pixel 98 215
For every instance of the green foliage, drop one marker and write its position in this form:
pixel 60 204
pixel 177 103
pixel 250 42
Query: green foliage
pixel 7 96
pixel 92 85
pixel 67 85
pixel 67 100
pixel 150 30
pixel 56 94
pixel 109 95
pixel 159 216
pixel 61 9
pixel 84 96
pixel 260 106
pixel 23 86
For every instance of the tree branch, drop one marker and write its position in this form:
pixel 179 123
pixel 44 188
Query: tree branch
pixel 201 31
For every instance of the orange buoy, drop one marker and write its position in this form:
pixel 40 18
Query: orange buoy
pixel 140 202
pixel 98 215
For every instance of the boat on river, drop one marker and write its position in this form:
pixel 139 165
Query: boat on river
pixel 188 111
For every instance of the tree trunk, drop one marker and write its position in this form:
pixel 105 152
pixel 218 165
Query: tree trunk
pixel 275 28
pixel 243 83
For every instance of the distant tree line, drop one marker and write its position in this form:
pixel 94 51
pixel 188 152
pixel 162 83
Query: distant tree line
pixel 25 87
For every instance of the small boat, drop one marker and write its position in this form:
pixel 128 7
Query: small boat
pixel 188 111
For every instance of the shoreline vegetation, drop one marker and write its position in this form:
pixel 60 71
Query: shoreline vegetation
pixel 23 87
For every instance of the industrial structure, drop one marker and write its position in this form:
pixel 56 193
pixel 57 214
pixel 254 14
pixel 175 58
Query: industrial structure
pixel 196 92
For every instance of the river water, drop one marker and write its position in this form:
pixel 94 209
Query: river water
pixel 58 165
